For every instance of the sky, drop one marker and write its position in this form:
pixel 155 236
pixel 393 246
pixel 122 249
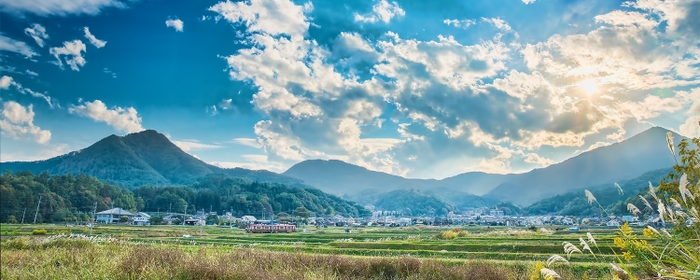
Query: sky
pixel 422 89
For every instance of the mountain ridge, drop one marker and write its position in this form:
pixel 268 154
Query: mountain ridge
pixel 136 159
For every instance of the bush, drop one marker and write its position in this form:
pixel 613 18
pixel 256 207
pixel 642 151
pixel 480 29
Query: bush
pixel 39 232
pixel 447 235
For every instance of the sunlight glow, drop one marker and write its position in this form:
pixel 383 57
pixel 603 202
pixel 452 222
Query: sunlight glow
pixel 589 86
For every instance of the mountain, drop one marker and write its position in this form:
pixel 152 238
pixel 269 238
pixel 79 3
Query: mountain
pixel 628 159
pixel 575 202
pixel 624 160
pixel 137 159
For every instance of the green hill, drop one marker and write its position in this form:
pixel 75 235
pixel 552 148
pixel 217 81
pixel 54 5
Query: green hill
pixel 138 159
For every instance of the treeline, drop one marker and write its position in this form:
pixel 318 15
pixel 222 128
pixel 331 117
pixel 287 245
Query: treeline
pixel 67 198
pixel 613 201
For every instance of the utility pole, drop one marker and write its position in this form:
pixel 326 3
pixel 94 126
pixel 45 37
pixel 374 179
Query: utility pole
pixel 37 209
pixel 185 215
pixel 92 223
pixel 170 212
pixel 25 212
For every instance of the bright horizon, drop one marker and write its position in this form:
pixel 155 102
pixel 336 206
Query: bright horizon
pixel 409 88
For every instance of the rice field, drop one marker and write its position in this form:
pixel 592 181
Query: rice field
pixel 184 252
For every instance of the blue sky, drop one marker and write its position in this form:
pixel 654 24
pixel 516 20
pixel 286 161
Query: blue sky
pixel 425 89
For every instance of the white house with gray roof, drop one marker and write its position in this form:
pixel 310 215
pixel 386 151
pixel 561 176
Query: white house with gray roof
pixel 113 215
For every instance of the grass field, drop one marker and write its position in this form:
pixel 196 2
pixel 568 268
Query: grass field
pixel 161 252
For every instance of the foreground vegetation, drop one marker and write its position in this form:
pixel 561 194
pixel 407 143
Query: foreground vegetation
pixel 161 252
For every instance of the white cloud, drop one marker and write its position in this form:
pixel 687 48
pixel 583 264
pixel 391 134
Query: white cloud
pixel 250 142
pixel 31 73
pixel 458 107
pixel 498 23
pixel 59 7
pixel 38 33
pixel 121 119
pixel 273 17
pixel 18 122
pixel 7 81
pixel 464 23
pixel 94 41
pixel 226 104
pixel 11 45
pixel 382 11
pixel 109 72
pixel 189 145
pixel 527 2
pixel 175 23
pixel 72 52
pixel 253 162
pixel 36 152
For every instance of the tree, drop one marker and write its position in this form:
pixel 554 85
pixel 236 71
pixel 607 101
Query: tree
pixel 301 212
pixel 212 219
pixel 123 219
pixel 283 217
pixel 156 220
pixel 11 219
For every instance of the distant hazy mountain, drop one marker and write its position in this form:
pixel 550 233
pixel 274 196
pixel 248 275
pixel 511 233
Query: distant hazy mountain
pixel 628 159
pixel 144 158
pixel 576 203
pixel 625 160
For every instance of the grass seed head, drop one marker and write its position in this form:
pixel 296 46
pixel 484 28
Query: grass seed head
pixel 683 188
pixel 633 209
pixel 669 140
pixel 590 196
pixel 653 192
pixel 619 189
pixel 591 239
pixel 570 249
pixel 549 274
pixel 555 259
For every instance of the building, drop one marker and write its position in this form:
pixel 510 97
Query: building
pixel 141 219
pixel 248 219
pixel 113 215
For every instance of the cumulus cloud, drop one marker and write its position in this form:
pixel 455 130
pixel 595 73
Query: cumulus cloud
pixel 527 2
pixel 11 45
pixel 382 11
pixel 94 41
pixel 121 119
pixel 175 23
pixel 72 52
pixel 38 33
pixel 18 122
pixel 458 107
pixel 7 81
pixel 464 23
pixel 272 17
pixel 59 7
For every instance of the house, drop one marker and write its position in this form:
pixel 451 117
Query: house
pixel 613 223
pixel 141 219
pixel 248 219
pixel 113 215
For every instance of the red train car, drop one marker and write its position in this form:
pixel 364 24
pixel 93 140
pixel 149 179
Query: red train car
pixel 262 228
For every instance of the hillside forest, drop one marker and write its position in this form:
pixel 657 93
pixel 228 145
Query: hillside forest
pixel 70 198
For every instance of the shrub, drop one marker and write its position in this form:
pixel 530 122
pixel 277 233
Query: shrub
pixel 39 232
pixel 447 235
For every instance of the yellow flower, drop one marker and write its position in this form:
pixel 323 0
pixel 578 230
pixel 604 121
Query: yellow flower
pixel 649 233
pixel 626 229
pixel 536 273
pixel 627 256
pixel 620 243
pixel 615 277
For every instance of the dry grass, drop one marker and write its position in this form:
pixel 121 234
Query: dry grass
pixel 123 261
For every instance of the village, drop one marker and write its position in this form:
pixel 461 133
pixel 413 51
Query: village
pixel 474 217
